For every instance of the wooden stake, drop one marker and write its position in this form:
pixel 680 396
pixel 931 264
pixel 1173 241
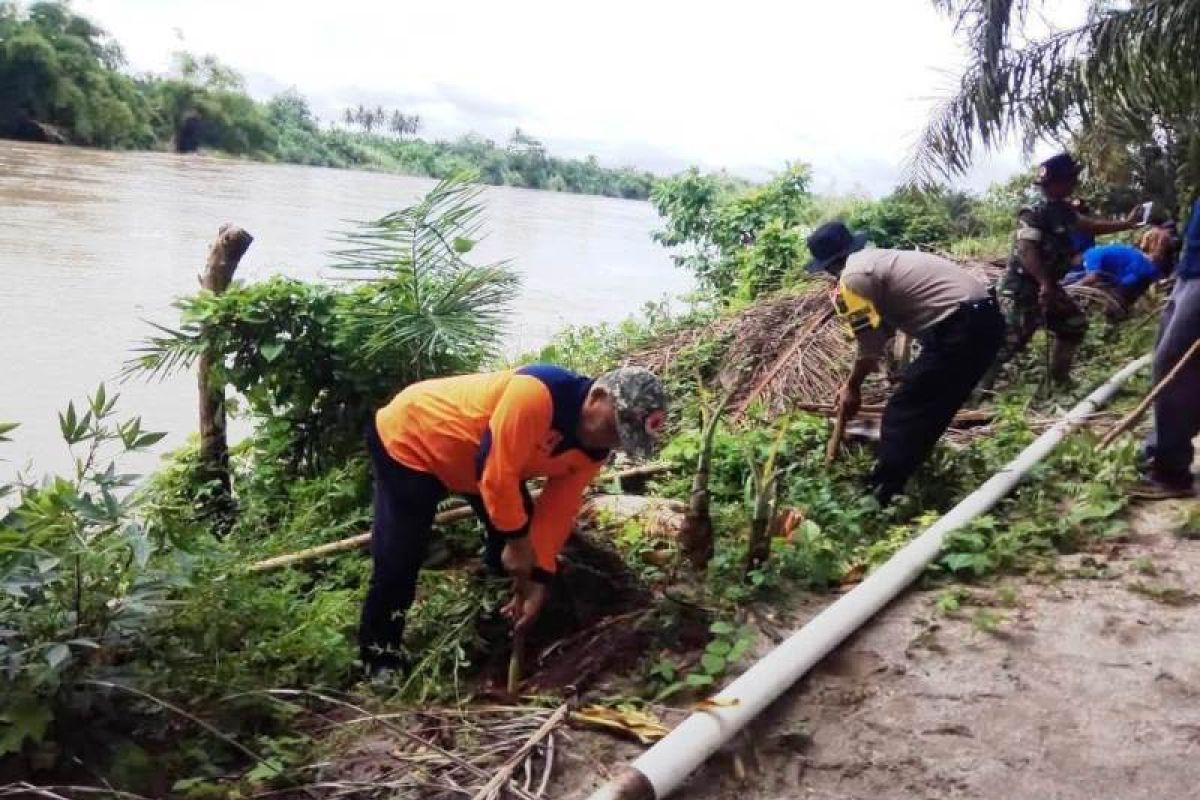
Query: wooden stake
pixel 224 255
pixel 456 514
pixel 501 777
pixel 835 439
pixel 1132 417
pixel 516 661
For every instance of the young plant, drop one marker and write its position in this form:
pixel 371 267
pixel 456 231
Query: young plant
pixel 696 535
pixel 82 584
pixel 765 484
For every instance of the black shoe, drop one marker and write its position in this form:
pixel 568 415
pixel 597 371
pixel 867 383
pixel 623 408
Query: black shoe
pixel 1155 487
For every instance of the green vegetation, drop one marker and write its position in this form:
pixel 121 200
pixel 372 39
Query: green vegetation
pixel 140 654
pixel 62 79
pixel 124 609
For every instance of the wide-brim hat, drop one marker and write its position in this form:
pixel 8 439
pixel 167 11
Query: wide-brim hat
pixel 832 242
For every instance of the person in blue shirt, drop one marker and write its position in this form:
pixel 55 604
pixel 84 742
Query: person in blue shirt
pixel 1168 451
pixel 1122 268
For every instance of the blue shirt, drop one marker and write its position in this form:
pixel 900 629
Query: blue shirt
pixel 1127 266
pixel 1189 264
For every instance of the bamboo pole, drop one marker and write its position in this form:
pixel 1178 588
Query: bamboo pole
pixel 493 787
pixel 1132 417
pixel 224 255
pixel 835 439
pixel 456 514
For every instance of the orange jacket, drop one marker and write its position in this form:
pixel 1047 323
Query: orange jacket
pixel 486 434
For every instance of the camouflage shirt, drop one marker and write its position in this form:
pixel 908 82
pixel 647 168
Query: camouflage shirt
pixel 1049 225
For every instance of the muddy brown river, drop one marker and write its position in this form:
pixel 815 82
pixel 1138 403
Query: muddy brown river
pixel 93 243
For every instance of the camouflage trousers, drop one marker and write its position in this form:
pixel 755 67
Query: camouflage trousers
pixel 1023 316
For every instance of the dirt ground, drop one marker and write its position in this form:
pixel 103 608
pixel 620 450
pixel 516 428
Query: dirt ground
pixel 1077 687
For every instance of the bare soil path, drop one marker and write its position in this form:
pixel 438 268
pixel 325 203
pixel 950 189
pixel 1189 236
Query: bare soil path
pixel 1080 686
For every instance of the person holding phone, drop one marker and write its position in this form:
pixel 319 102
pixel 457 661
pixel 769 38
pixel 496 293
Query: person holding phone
pixel 1043 250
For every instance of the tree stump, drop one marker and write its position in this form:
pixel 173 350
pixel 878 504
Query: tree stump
pixel 224 255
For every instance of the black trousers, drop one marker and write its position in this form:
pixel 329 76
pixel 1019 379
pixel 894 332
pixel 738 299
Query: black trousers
pixel 405 502
pixel 954 356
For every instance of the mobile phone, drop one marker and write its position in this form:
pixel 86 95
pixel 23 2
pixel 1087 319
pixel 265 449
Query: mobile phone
pixel 1146 209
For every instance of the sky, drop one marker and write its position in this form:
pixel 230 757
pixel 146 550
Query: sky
pixel 749 86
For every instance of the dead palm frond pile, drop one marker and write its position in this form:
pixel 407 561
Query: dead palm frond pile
pixel 783 351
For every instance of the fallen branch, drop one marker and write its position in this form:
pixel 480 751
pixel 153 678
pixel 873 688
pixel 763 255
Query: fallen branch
pixel 444 518
pixel 493 787
pixel 1132 417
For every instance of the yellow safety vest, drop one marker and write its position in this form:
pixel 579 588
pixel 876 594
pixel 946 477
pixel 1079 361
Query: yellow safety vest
pixel 857 312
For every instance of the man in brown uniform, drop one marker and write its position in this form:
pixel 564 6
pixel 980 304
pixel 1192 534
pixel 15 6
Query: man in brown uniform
pixel 953 317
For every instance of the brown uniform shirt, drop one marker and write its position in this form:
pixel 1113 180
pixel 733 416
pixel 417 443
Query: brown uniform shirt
pixel 905 290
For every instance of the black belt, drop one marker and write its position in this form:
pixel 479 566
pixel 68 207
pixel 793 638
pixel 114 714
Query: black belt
pixel 959 315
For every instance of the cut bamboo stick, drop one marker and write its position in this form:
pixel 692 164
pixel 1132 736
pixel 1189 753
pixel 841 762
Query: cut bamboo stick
pixel 1132 417
pixel 456 514
pixel 835 440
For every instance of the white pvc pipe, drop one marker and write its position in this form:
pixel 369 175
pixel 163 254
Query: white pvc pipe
pixel 662 768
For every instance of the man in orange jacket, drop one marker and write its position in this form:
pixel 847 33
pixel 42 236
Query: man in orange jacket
pixel 483 436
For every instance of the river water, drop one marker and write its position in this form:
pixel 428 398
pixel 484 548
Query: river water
pixel 93 243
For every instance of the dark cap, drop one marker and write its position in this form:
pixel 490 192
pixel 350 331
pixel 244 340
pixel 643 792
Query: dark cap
pixel 832 242
pixel 641 407
pixel 1057 168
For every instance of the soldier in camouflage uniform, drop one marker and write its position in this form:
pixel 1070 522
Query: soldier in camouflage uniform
pixel 1030 290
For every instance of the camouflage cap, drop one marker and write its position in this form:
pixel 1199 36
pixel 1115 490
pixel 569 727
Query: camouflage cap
pixel 641 407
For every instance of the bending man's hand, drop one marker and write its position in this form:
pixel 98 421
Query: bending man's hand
pixel 518 559
pixel 526 603
pixel 849 401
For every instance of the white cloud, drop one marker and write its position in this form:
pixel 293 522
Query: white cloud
pixel 844 86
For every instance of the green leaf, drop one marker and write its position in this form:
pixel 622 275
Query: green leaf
pixel 719 647
pixel 98 401
pixel 670 691
pixel 737 651
pixel 265 770
pixel 463 244
pixel 7 427
pixel 959 562
pixel 57 655
pixel 67 422
pixel 713 664
pixel 697 679
pixel 271 351
pixel 139 545
pixel 721 628
pixel 27 719
pixel 148 439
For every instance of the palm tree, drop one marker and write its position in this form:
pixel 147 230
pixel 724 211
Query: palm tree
pixel 1123 79
pixel 427 311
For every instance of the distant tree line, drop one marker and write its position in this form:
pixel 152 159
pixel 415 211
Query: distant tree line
pixel 63 79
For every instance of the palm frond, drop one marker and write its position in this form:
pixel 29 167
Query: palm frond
pixel 162 356
pixel 432 301
pixel 1130 69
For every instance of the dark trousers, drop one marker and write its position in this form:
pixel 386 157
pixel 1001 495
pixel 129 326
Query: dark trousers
pixel 955 354
pixel 405 502
pixel 1177 408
